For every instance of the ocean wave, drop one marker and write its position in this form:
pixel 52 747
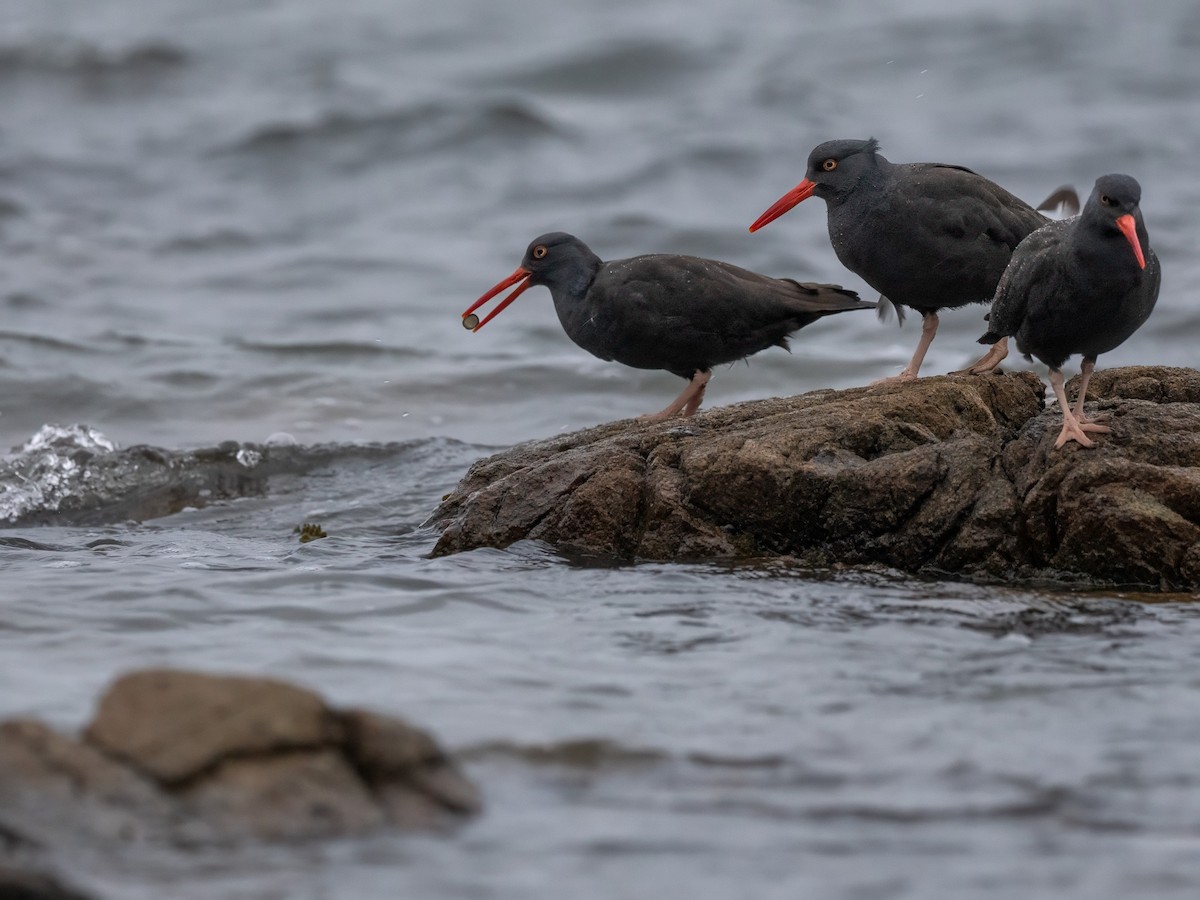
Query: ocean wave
pixel 216 239
pixel 639 66
pixel 61 56
pixel 581 753
pixel 337 349
pixel 603 753
pixel 385 134
pixel 74 475
pixel 41 341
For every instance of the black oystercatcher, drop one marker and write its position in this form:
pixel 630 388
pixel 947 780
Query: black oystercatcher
pixel 678 313
pixel 1082 285
pixel 925 235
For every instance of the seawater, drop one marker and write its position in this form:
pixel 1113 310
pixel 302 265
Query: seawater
pixel 256 222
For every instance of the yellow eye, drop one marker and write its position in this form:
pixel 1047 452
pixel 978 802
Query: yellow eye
pixel 1106 200
pixel 539 252
pixel 829 165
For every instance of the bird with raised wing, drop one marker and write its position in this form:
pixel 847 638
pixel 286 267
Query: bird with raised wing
pixel 927 236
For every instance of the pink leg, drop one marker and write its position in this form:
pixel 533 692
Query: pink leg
pixel 929 327
pixel 698 397
pixel 1071 429
pixel 687 402
pixel 1087 423
pixel 995 355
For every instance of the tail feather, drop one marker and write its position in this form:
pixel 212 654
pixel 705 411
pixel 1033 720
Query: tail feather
pixel 1066 197
pixel 886 307
pixel 827 298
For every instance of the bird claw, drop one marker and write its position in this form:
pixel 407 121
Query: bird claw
pixel 1074 431
pixel 657 417
pixel 982 367
pixel 892 379
pixel 687 402
pixel 988 362
pixel 1068 434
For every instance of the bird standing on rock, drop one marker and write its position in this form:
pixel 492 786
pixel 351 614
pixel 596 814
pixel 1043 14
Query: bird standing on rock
pixel 1082 285
pixel 679 313
pixel 925 235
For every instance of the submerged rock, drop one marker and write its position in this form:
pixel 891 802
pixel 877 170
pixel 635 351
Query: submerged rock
pixel 940 475
pixel 186 757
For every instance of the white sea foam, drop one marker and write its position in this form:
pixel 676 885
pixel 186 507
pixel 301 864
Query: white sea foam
pixel 48 468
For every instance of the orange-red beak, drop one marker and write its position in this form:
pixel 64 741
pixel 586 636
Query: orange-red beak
pixel 1128 226
pixel 800 192
pixel 519 275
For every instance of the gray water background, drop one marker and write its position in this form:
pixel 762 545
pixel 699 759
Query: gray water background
pixel 235 220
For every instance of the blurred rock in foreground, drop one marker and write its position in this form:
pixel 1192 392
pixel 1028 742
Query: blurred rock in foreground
pixel 187 758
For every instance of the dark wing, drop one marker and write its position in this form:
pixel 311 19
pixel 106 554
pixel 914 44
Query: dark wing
pixel 694 288
pixel 811 297
pixel 965 222
pixel 682 312
pixel 978 204
pixel 945 166
pixel 1034 275
pixel 744 297
pixel 1149 294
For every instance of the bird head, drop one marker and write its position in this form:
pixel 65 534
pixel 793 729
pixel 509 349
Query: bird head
pixel 1113 208
pixel 556 259
pixel 834 169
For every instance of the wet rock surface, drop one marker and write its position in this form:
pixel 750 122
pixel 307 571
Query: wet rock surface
pixel 944 475
pixel 187 758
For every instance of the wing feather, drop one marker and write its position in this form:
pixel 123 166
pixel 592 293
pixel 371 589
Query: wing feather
pixel 1034 271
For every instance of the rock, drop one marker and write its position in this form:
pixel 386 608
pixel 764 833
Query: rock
pixel 287 796
pixel 54 787
pixel 414 778
pixel 1128 512
pixel 192 758
pixel 940 475
pixel 1155 383
pixel 16 884
pixel 173 725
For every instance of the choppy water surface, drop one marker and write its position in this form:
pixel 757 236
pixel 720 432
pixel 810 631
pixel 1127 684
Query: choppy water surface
pixel 238 221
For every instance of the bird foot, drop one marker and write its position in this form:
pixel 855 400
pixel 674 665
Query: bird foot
pixel 982 367
pixel 906 375
pixel 660 416
pixel 1073 430
pixel 996 354
pixel 687 402
pixel 977 369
